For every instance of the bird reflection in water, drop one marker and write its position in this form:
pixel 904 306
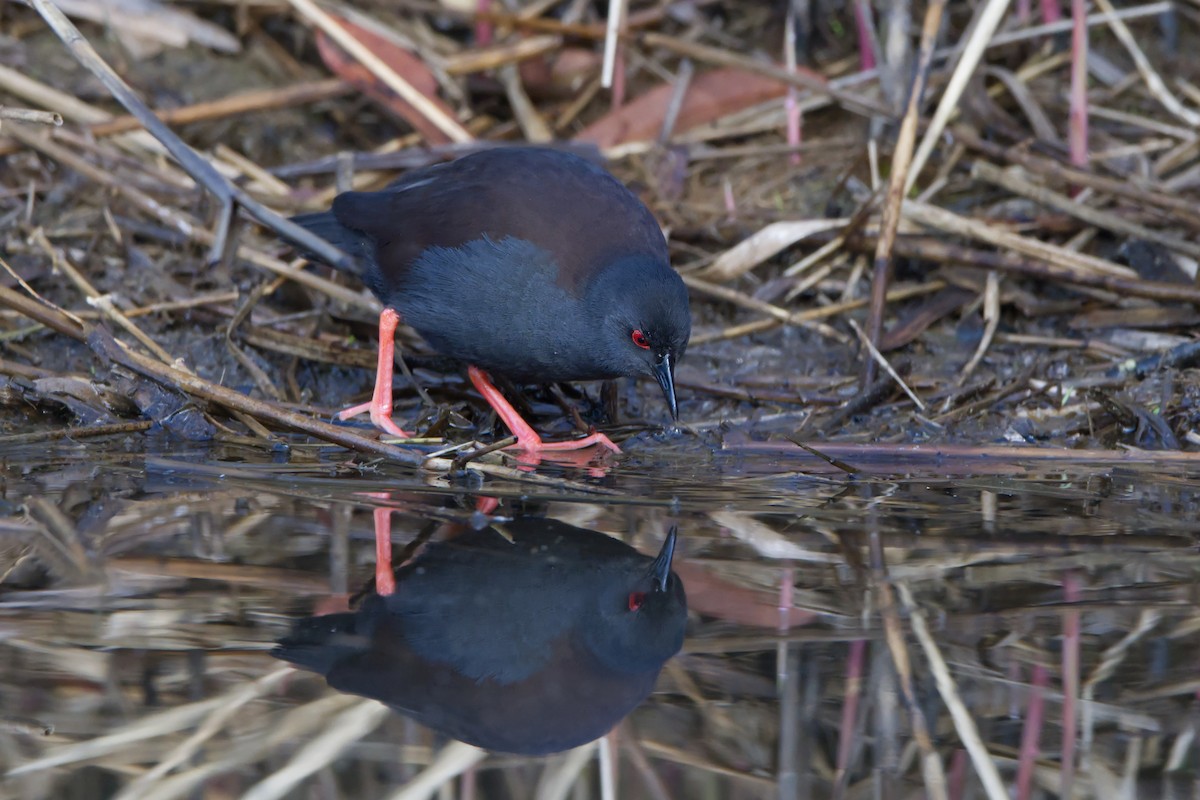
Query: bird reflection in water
pixel 530 637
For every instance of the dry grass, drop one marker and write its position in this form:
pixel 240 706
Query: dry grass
pixel 885 283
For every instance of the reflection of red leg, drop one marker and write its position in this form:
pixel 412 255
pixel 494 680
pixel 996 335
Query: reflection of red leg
pixel 527 438
pixel 486 505
pixel 385 579
pixel 380 406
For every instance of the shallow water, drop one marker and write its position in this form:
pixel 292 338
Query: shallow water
pixel 143 586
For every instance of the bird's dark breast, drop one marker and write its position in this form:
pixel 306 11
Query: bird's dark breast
pixel 572 701
pixel 495 303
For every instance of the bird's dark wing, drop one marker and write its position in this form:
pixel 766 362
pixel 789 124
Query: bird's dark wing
pixel 572 209
pixel 495 617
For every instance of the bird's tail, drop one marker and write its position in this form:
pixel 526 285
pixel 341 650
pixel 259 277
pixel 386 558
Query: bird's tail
pixel 352 242
pixel 319 643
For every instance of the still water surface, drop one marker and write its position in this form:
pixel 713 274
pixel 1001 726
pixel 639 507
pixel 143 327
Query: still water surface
pixel 902 631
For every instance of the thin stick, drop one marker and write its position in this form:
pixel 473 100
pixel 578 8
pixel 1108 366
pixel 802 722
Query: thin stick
pixel 1032 731
pixel 893 634
pixel 901 160
pixel 242 103
pixel 824 312
pixel 195 164
pixel 791 107
pixel 31 115
pixel 989 20
pixel 883 362
pixel 612 29
pixel 1077 115
pixel 1154 83
pixel 1132 187
pixel 963 722
pixel 949 222
pixel 1107 220
pixel 347 41
pixel 80 432
pixel 96 299
pixel 109 348
pixel 1070 677
pixel 189 227
pixel 991 320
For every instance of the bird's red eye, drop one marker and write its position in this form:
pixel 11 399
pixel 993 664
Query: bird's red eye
pixel 640 340
pixel 636 599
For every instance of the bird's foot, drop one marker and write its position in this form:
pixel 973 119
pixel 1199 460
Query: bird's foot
pixel 380 407
pixel 534 444
pixel 381 418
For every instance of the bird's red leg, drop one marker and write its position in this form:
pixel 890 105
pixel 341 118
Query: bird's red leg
pixel 380 407
pixel 385 578
pixel 527 438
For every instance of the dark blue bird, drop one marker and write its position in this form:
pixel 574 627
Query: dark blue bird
pixel 532 637
pixel 526 262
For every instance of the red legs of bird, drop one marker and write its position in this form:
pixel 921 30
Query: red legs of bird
pixel 527 438
pixel 380 407
pixel 385 576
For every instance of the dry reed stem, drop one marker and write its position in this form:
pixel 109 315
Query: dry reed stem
pixel 341 732
pixel 451 761
pixel 964 723
pixel 1107 220
pixel 898 185
pixel 451 127
pixel 971 51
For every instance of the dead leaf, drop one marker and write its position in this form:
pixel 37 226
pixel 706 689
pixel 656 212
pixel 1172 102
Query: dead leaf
pixel 404 63
pixel 757 248
pixel 559 75
pixel 710 96
pixel 715 597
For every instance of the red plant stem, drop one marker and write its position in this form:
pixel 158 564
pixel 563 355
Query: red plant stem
pixel 1077 136
pixel 385 578
pixel 863 23
pixel 1030 736
pixel 787 590
pixel 854 670
pixel 1070 671
pixel 790 105
pixel 956 781
pixel 483 25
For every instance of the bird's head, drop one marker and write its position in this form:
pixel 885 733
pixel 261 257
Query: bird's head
pixel 641 615
pixel 645 321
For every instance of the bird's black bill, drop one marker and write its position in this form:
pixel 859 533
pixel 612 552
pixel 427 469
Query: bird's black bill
pixel 661 568
pixel 664 373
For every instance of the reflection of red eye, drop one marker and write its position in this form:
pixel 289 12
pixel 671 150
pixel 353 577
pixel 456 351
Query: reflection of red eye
pixel 640 340
pixel 636 599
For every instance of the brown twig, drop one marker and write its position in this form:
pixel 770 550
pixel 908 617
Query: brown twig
pixel 901 160
pixel 195 165
pixel 31 116
pixel 110 349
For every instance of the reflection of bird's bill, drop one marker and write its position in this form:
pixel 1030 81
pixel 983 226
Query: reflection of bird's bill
pixel 664 373
pixel 661 568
